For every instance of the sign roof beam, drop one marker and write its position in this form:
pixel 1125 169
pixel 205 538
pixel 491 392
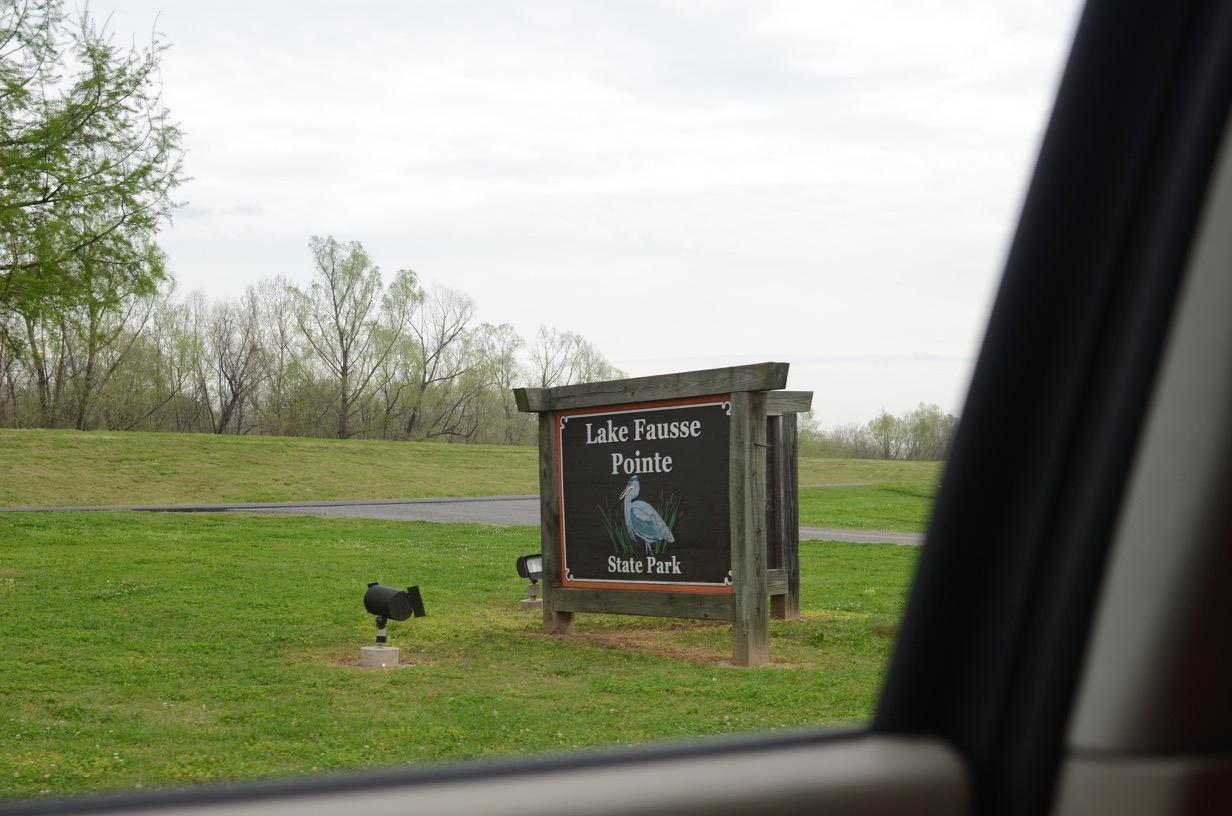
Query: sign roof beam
pixel 755 377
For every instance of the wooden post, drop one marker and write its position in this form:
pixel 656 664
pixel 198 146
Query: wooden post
pixel 747 490
pixel 776 527
pixel 774 492
pixel 554 622
pixel 788 605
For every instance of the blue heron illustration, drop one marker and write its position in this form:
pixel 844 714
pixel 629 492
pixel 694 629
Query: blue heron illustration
pixel 643 520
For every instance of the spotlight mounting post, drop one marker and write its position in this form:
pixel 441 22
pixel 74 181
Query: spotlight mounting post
pixel 382 635
pixel 387 603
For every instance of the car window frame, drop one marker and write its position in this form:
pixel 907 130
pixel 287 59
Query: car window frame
pixel 992 640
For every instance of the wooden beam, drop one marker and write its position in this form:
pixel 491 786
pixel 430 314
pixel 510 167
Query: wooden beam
pixel 747 500
pixel 633 602
pixel 776 581
pixel 789 402
pixel 756 377
pixel 525 397
pixel 774 492
pixel 787 605
pixel 555 620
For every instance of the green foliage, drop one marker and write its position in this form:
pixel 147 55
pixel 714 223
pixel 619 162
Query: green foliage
pixel 88 160
pixel 204 648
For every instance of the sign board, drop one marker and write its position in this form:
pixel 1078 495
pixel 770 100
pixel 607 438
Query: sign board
pixel 657 497
pixel 643 491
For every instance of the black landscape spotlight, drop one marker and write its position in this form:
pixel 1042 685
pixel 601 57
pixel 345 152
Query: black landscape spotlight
pixel 530 567
pixel 386 603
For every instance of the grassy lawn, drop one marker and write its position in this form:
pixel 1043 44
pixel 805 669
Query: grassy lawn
pixel 877 507
pixel 867 494
pixel 197 648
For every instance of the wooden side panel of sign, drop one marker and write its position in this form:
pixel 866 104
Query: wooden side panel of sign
pixel 789 402
pixel 555 620
pixel 747 483
pixel 787 605
pixel 776 579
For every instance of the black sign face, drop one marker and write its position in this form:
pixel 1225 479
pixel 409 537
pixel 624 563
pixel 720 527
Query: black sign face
pixel 643 492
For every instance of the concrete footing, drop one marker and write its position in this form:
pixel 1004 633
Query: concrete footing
pixel 530 603
pixel 378 657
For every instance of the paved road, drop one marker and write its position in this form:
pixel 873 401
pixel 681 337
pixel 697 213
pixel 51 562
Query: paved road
pixel 860 536
pixel 480 509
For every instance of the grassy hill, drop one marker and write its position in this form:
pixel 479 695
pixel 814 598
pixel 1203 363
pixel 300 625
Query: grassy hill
pixel 75 468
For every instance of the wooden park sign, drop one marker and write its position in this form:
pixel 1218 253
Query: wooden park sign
pixel 672 495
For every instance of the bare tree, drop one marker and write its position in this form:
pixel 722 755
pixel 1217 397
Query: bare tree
pixel 440 333
pixel 150 386
pixel 235 355
pixel 563 358
pixel 9 373
pixel 338 317
pixel 198 412
pixel 48 346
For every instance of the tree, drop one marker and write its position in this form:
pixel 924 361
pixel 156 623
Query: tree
pixel 928 431
pixel 441 333
pixel 235 356
pixel 563 358
pixel 281 407
pixel 339 314
pixel 887 433
pixel 500 346
pixel 109 315
pixel 150 389
pixel 924 434
pixel 87 163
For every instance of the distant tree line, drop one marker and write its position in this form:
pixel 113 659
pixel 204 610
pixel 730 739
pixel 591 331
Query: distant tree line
pixel 350 355
pixel 924 433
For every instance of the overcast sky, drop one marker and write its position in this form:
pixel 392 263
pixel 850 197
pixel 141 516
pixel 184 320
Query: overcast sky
pixel 687 185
